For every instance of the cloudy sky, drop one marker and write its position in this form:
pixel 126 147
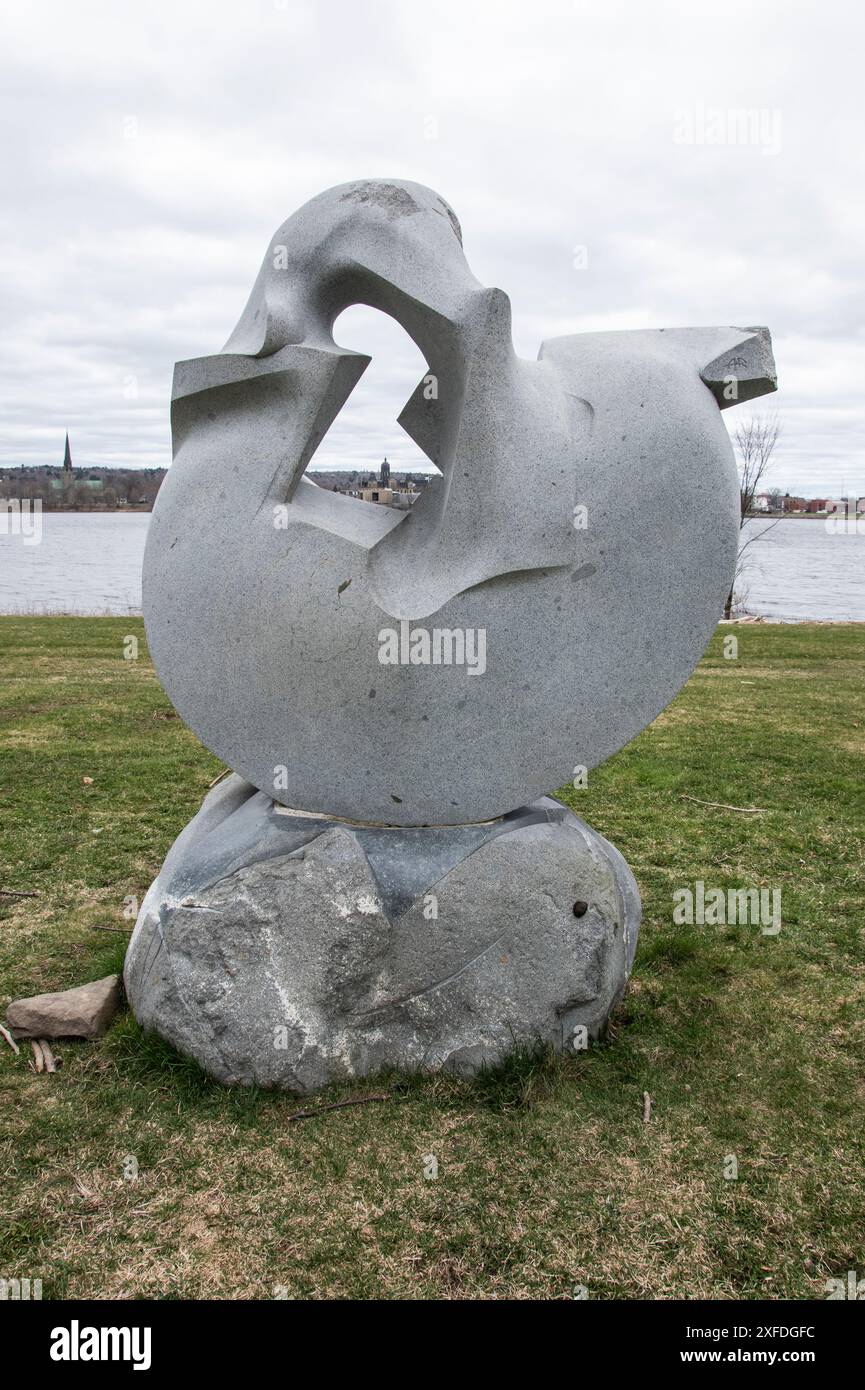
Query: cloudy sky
pixel 150 152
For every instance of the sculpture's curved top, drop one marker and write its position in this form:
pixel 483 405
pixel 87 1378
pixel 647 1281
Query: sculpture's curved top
pixel 538 606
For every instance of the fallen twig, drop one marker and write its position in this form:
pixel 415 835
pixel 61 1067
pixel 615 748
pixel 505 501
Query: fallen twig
pixel 37 1055
pixel 11 893
pixel 647 1107
pixel 4 1032
pixel 124 931
pixel 218 778
pixel 336 1105
pixel 51 1062
pixel 723 806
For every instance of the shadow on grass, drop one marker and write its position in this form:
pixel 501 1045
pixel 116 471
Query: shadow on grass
pixel 526 1075
pixel 144 1057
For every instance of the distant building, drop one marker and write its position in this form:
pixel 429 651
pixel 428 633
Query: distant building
pixel 67 456
pixel 793 504
pixel 396 491
pixel 379 494
pixel 762 502
pixel 390 497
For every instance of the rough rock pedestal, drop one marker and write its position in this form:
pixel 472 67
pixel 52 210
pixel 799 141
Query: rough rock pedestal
pixel 291 950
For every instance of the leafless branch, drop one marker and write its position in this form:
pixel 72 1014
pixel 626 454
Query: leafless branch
pixel 755 440
pixel 759 536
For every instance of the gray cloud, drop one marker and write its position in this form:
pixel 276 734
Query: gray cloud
pixel 150 153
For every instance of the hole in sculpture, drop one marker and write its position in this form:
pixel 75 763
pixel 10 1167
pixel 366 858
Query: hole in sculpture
pixel 365 431
pixel 580 908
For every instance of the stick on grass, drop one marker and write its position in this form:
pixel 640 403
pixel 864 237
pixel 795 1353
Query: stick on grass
pixel 723 806
pixel 337 1105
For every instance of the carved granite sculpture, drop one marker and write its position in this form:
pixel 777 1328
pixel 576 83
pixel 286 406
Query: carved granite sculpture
pixel 539 605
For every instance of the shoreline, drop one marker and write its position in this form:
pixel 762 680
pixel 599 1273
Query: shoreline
pixel 742 619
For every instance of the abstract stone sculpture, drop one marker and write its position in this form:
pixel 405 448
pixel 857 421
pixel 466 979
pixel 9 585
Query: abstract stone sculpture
pixel 539 605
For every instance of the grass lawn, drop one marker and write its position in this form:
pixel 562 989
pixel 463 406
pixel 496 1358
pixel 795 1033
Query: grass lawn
pixel 750 1045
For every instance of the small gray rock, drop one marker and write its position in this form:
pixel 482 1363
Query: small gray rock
pixel 83 1012
pixel 291 951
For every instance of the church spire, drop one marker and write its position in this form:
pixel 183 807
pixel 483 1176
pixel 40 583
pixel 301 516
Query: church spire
pixel 67 456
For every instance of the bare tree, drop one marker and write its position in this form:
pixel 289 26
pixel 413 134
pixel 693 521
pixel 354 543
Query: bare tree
pixel 776 499
pixel 755 439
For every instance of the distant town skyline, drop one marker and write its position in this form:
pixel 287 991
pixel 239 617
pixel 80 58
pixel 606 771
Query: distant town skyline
pixel 421 465
pixel 371 466
pixel 682 168
pixel 373 469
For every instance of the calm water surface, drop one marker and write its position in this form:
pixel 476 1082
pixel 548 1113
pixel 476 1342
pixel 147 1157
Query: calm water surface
pixel 86 562
pixel 90 562
pixel 796 571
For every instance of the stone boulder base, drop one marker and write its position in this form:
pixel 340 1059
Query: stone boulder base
pixel 83 1012
pixel 289 950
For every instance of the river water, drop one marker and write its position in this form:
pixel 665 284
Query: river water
pixel 84 562
pixel 90 562
pixel 798 570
